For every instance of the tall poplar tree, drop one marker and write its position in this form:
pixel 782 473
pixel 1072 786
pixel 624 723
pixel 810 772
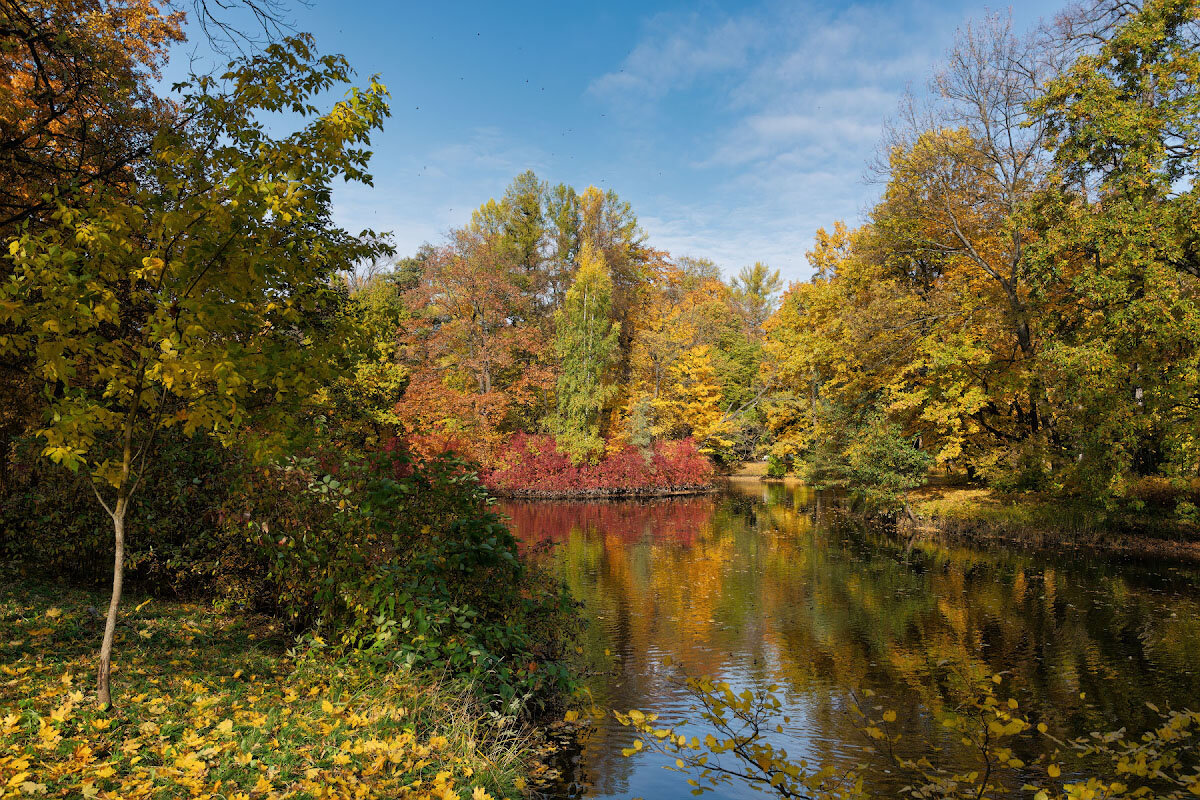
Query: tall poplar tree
pixel 586 344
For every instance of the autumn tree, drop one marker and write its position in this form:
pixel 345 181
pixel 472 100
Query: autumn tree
pixel 959 178
pixel 77 106
pixel 517 223
pixel 77 111
pixel 362 402
pixel 585 343
pixel 692 363
pixel 195 297
pixel 846 349
pixel 610 226
pixel 1022 304
pixel 1122 217
pixel 499 306
pixel 755 293
pixel 473 347
pixel 562 218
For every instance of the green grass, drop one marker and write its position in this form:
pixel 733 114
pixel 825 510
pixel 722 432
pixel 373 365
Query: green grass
pixel 211 704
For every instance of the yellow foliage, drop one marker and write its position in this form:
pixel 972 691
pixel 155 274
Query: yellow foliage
pixel 311 729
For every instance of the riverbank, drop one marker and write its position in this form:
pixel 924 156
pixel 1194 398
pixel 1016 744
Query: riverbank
pixel 949 511
pixel 215 702
pixel 1038 521
pixel 614 493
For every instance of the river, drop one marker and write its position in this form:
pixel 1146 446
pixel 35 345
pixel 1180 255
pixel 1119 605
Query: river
pixel 771 583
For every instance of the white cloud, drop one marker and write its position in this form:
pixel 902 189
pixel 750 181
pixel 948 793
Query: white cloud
pixel 676 52
pixel 799 96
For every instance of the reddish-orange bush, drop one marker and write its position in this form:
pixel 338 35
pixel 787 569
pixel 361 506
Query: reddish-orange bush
pixel 533 465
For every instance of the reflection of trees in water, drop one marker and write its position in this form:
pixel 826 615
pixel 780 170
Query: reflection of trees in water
pixel 676 519
pixel 772 580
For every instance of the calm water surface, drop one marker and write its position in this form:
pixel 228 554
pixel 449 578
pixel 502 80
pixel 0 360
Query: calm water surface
pixel 768 584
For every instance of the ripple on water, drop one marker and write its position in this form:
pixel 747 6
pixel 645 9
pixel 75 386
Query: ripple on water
pixel 763 584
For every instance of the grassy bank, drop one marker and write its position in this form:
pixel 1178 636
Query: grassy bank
pixel 212 704
pixel 1036 520
pixel 750 469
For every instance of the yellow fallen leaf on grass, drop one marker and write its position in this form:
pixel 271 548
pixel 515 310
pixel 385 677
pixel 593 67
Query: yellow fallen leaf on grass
pixel 189 763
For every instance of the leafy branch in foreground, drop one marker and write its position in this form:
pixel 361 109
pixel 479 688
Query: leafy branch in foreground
pixel 738 750
pixel 1004 750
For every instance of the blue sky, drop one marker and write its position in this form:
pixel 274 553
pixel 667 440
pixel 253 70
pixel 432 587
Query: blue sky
pixel 735 130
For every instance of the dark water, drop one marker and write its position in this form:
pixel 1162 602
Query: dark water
pixel 766 584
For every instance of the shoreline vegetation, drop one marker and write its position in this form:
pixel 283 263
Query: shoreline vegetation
pixel 946 511
pixel 535 467
pixel 1030 520
pixel 606 493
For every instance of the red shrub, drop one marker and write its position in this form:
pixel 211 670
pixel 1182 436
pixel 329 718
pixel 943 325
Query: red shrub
pixel 533 465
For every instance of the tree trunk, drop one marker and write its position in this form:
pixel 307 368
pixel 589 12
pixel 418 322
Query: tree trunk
pixel 103 694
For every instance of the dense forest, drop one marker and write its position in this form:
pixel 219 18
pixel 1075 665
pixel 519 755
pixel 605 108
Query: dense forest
pixel 549 317
pixel 1019 308
pixel 1021 305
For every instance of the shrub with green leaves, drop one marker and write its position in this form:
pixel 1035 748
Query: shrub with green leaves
pixel 404 563
pixel 50 523
pixel 864 453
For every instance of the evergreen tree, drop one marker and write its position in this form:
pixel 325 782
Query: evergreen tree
pixel 755 294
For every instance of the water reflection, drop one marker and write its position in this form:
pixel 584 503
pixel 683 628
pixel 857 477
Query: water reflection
pixel 771 583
